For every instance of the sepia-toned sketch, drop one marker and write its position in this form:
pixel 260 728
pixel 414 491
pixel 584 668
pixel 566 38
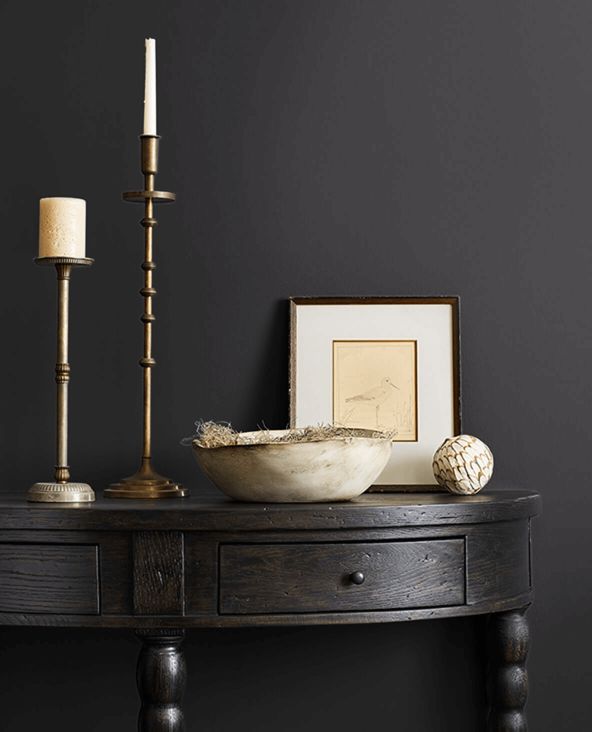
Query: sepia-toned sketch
pixel 375 386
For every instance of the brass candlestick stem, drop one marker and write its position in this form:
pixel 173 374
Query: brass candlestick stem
pixel 62 490
pixel 146 482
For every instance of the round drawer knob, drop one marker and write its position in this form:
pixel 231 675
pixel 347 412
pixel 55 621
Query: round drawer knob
pixel 357 578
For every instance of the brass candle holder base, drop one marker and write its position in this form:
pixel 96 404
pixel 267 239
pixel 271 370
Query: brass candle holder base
pixel 146 483
pixel 61 493
pixel 61 489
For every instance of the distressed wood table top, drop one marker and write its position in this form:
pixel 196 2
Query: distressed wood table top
pixel 209 561
pixel 207 510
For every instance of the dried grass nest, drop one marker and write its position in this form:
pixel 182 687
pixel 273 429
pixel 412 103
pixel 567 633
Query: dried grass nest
pixel 216 434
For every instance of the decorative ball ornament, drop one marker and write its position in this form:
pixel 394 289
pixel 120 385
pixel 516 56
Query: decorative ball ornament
pixel 463 464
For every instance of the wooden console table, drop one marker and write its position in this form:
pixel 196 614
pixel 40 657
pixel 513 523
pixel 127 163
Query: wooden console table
pixel 162 567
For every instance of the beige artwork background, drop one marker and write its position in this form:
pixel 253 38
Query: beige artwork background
pixel 375 386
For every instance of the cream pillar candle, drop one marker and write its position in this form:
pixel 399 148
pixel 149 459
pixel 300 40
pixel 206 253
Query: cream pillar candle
pixel 150 88
pixel 62 227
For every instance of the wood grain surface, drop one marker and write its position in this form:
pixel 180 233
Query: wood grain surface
pixel 208 510
pixel 286 578
pixel 43 578
pixel 282 564
pixel 159 573
pixel 497 561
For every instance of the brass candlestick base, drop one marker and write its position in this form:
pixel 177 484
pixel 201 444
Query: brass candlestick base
pixel 61 490
pixel 61 493
pixel 147 483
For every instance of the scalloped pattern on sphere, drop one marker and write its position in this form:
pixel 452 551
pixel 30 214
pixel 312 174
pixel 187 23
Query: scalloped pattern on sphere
pixel 463 464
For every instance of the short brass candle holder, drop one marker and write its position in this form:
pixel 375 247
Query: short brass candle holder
pixel 62 490
pixel 146 482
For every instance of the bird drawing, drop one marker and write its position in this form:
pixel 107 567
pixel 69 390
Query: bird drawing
pixel 375 397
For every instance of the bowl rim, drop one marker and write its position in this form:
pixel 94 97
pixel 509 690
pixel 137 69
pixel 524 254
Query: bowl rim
pixel 359 434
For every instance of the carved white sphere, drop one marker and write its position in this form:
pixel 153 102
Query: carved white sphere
pixel 463 464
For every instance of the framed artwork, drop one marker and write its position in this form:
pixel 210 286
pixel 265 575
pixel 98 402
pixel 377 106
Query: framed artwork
pixel 383 363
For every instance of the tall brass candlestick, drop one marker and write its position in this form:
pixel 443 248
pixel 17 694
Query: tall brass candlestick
pixel 146 482
pixel 61 490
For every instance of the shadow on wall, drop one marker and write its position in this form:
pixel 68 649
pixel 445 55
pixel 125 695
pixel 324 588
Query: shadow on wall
pixel 288 679
pixel 268 397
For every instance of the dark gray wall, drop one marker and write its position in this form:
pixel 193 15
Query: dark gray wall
pixel 317 147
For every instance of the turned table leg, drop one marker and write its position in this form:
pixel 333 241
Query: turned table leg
pixel 161 681
pixel 508 678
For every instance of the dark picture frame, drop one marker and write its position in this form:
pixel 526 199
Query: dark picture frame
pixel 451 301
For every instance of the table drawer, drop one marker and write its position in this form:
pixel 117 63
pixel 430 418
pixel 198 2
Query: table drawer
pixel 49 578
pixel 300 578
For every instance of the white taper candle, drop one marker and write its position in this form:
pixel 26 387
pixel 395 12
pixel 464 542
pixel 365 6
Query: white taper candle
pixel 150 88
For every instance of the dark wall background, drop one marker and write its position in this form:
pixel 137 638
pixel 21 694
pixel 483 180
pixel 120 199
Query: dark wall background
pixel 317 147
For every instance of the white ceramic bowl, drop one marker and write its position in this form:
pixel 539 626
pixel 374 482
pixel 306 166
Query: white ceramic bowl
pixel 335 469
